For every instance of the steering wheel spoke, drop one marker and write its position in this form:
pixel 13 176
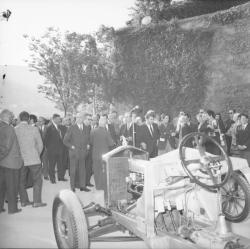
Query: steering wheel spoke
pixel 209 165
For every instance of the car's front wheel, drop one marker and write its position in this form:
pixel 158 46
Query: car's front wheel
pixel 69 221
pixel 236 198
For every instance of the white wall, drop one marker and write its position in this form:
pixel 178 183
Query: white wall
pixel 19 92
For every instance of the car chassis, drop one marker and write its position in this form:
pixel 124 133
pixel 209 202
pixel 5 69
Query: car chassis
pixel 172 201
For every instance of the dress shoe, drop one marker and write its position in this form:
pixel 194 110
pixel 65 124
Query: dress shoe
pixel 28 203
pixel 89 185
pixel 85 189
pixel 63 180
pixel 2 210
pixel 17 211
pixel 41 204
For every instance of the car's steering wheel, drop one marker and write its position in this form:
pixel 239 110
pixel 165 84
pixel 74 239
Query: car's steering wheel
pixel 207 165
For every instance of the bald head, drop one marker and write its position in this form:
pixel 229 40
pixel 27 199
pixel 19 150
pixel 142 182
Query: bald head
pixel 103 121
pixel 79 118
pixel 6 116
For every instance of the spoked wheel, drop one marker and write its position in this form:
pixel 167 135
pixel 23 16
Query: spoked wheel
pixel 236 198
pixel 69 221
pixel 205 170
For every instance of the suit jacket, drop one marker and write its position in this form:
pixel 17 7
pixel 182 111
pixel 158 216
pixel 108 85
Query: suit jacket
pixel 145 136
pixel 42 131
pixel 78 138
pixel 185 130
pixel 53 139
pixel 63 129
pixel 243 136
pixel 10 155
pixel 228 124
pixel 165 135
pixel 30 142
pixel 111 129
pixel 128 132
pixel 125 131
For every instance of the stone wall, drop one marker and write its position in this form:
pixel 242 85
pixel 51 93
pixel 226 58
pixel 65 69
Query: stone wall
pixel 225 64
pixel 228 63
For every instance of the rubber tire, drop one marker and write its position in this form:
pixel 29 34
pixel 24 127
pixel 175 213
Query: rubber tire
pixel 78 220
pixel 246 210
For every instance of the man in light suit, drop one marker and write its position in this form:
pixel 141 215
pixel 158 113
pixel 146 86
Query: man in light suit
pixel 31 146
pixel 77 139
pixel 149 135
pixel 54 145
pixel 10 163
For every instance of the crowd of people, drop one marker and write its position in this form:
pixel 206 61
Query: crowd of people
pixel 35 149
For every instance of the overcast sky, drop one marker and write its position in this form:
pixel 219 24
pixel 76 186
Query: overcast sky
pixel 32 17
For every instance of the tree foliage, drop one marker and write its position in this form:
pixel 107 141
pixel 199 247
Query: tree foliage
pixel 71 65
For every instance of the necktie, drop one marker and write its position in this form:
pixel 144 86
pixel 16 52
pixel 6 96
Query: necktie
pixel 59 131
pixel 151 130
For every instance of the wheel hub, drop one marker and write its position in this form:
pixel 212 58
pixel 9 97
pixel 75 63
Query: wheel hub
pixel 64 229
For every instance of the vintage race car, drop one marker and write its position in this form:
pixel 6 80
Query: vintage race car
pixel 180 199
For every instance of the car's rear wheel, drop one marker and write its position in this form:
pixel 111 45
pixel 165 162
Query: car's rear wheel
pixel 236 198
pixel 69 221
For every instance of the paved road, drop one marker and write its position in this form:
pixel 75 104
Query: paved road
pixel 32 228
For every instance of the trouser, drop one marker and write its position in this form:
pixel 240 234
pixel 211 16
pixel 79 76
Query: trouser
pixel 88 163
pixel 229 143
pixel 55 159
pixel 77 169
pixel 36 173
pixel 45 163
pixel 9 181
pixel 154 152
pixel 65 158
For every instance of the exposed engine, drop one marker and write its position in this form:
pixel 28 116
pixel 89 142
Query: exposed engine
pixel 183 209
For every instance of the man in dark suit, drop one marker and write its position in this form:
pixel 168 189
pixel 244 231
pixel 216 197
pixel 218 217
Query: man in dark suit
pixel 186 127
pixel 228 123
pixel 243 137
pixel 149 135
pixel 125 131
pixel 66 123
pixel 44 155
pixel 101 142
pixel 111 129
pixel 54 145
pixel 77 139
pixel 10 163
pixel 130 129
pixel 88 160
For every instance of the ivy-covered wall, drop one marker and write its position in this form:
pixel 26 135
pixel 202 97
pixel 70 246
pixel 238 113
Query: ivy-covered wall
pixel 187 64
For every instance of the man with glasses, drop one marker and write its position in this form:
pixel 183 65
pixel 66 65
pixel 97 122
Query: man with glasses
pixel 228 123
